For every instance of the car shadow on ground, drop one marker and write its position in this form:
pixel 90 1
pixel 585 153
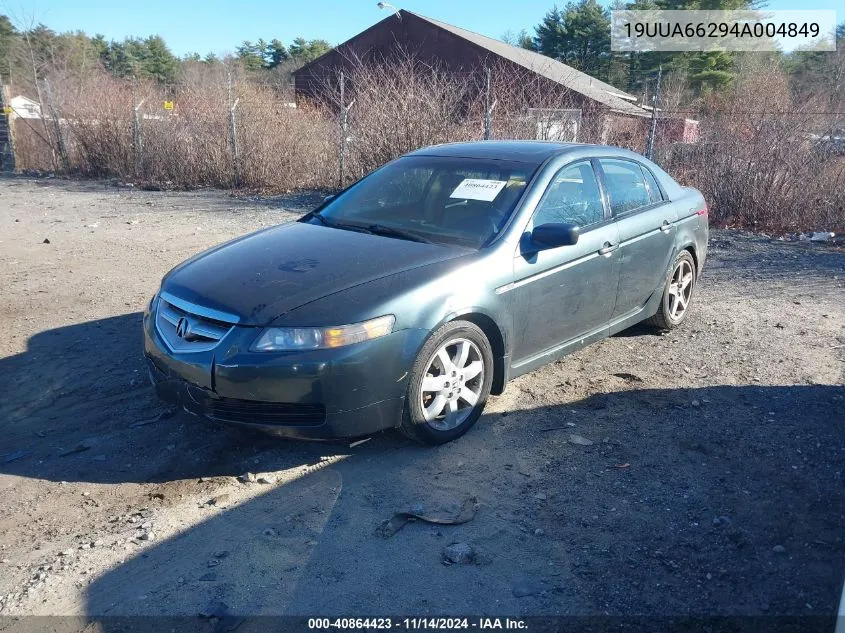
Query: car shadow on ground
pixel 757 258
pixel 719 508
pixel 715 500
pixel 297 202
pixel 638 330
pixel 78 406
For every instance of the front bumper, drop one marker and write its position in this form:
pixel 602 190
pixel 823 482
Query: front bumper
pixel 319 394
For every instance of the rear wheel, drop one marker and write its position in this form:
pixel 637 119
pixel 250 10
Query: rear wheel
pixel 449 384
pixel 677 295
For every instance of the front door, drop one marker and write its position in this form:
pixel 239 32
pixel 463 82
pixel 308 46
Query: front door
pixel 565 292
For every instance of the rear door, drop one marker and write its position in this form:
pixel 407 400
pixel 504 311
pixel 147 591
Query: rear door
pixel 646 225
pixel 561 293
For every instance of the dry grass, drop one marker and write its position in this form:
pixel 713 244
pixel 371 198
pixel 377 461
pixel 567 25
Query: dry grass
pixel 279 148
pixel 403 104
pixel 755 162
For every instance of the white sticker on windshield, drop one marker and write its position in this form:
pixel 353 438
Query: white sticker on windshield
pixel 478 189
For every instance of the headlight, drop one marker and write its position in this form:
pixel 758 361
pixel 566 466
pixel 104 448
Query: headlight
pixel 277 339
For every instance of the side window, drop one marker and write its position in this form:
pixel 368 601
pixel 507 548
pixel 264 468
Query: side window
pixel 573 197
pixel 653 189
pixel 625 185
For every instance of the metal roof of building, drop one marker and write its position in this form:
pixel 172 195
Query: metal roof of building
pixel 552 69
pixel 549 68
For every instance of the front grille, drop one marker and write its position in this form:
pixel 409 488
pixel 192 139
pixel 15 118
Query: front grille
pixel 189 328
pixel 275 413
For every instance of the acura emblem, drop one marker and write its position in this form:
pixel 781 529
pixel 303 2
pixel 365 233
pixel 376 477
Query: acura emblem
pixel 183 328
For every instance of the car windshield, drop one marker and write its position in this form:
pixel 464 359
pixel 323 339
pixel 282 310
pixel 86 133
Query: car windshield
pixel 438 199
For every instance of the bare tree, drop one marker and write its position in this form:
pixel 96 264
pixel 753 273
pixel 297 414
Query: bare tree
pixel 756 161
pixel 402 104
pixel 761 159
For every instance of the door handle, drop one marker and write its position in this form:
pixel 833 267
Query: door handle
pixel 666 226
pixel 608 248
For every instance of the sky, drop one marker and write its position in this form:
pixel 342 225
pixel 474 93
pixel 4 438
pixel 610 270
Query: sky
pixel 219 26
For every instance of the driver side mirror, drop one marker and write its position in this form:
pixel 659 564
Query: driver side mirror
pixel 555 234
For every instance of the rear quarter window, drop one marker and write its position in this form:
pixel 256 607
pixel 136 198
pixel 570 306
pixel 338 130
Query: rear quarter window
pixel 625 185
pixel 652 186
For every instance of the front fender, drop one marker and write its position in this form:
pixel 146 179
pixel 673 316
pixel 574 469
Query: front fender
pixel 498 328
pixel 422 298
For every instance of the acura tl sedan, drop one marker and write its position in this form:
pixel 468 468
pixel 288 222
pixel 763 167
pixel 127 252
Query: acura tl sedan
pixel 408 298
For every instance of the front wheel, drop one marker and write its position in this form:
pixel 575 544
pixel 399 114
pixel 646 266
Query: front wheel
pixel 449 384
pixel 677 295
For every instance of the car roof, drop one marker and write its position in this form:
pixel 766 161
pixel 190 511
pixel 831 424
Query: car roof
pixel 535 152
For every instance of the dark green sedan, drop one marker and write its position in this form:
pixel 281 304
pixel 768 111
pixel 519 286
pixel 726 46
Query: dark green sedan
pixel 408 298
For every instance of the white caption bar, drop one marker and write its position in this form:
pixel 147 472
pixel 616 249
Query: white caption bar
pixel 687 31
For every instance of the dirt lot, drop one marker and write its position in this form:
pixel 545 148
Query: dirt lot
pixel 713 485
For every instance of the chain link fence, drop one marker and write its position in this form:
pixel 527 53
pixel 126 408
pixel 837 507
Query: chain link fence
pixel 775 163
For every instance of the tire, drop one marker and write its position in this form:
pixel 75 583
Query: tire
pixel 445 398
pixel 672 313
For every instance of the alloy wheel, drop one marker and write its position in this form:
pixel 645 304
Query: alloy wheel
pixel 452 384
pixel 680 290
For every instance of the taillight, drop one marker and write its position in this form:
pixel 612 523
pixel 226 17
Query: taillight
pixel 705 211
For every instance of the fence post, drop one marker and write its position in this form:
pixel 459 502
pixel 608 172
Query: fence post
pixel 136 129
pixel 489 107
pixel 233 135
pixel 649 152
pixel 342 157
pixel 233 139
pixel 7 132
pixel 488 111
pixel 344 119
pixel 60 140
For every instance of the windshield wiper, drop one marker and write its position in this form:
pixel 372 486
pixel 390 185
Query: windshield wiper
pixel 375 229
pixel 340 225
pixel 323 220
pixel 389 231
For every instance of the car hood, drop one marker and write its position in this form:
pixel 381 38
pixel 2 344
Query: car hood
pixel 261 276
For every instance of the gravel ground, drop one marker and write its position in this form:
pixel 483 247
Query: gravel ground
pixel 695 472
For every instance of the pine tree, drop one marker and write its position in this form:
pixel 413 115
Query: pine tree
pixel 248 55
pixel 520 40
pixel 814 71
pixel 276 53
pixel 304 51
pixel 8 37
pixel 579 36
pixel 157 61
